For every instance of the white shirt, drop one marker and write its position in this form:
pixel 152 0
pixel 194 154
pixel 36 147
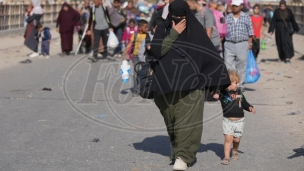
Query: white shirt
pixel 235 19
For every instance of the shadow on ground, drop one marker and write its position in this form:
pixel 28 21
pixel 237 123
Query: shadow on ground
pixel 301 58
pixel 298 153
pixel 161 145
pixel 270 60
pixel 126 91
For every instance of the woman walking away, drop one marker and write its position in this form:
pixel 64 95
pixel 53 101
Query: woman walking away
pixel 66 22
pixel 31 39
pixel 284 24
pixel 257 24
pixel 186 65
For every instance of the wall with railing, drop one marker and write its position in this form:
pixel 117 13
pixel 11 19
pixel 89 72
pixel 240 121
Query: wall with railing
pixel 12 14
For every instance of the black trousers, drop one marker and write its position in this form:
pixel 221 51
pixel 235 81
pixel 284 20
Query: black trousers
pixel 256 47
pixel 105 35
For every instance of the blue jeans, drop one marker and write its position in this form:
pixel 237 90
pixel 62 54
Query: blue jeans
pixel 45 47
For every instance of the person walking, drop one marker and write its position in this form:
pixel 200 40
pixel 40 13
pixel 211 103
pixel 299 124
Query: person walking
pixel 84 11
pixel 227 12
pixel 118 30
pixel 31 41
pixel 187 63
pixel 233 104
pixel 134 43
pixel 45 35
pixel 206 18
pixel 258 29
pixel 66 21
pixel 284 24
pixel 268 12
pixel 131 11
pixel 101 23
pixel 238 40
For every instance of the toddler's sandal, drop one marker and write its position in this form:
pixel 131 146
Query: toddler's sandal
pixel 225 162
pixel 235 156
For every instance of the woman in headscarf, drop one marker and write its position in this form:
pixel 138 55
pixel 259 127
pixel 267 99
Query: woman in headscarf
pixel 130 11
pixel 31 40
pixel 66 21
pixel 187 63
pixel 284 24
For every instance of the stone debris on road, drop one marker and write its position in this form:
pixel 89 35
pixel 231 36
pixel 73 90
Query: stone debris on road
pixel 297 112
pixel 26 61
pixel 96 140
pixel 47 89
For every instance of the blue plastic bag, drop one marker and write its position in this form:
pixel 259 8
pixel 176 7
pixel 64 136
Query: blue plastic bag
pixel 252 70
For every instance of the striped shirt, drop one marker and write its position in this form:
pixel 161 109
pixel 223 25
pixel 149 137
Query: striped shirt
pixel 239 30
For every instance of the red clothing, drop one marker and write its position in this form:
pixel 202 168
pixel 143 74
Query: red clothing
pixel 257 22
pixel 126 37
pixel 128 34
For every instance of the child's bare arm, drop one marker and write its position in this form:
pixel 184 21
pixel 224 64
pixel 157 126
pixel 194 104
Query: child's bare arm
pixel 126 50
pixel 252 110
pixel 246 105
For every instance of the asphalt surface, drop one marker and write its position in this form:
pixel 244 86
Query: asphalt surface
pixel 53 130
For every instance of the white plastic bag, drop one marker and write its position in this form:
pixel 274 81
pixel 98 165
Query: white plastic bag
pixel 112 40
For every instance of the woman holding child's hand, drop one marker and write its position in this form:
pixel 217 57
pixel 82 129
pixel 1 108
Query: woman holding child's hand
pixel 184 68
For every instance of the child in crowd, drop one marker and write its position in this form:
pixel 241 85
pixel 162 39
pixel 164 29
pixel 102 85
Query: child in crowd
pixel 44 33
pixel 145 44
pixel 129 31
pixel 257 24
pixel 233 104
pixel 134 43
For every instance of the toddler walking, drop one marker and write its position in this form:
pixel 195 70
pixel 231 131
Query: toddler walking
pixel 233 103
pixel 44 33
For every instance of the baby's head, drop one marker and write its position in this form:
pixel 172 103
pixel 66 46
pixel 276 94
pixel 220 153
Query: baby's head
pixel 234 78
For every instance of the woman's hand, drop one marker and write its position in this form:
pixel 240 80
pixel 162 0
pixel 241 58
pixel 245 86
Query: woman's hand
pixel 271 33
pixel 89 32
pixel 180 27
pixel 57 29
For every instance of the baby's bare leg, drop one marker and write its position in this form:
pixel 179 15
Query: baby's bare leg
pixel 227 146
pixel 236 143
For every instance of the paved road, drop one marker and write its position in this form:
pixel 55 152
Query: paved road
pixel 53 130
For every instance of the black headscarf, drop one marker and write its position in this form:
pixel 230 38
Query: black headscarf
pixel 192 62
pixel 283 13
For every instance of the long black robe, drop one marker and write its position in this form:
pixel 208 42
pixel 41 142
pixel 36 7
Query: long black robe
pixel 283 38
pixel 31 41
pixel 192 62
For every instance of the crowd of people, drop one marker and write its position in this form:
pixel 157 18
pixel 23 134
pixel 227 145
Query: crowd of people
pixel 185 37
pixel 125 15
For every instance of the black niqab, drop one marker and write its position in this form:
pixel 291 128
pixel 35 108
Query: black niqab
pixel 192 62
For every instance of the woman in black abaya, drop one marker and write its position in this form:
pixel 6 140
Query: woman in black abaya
pixel 283 22
pixel 187 63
